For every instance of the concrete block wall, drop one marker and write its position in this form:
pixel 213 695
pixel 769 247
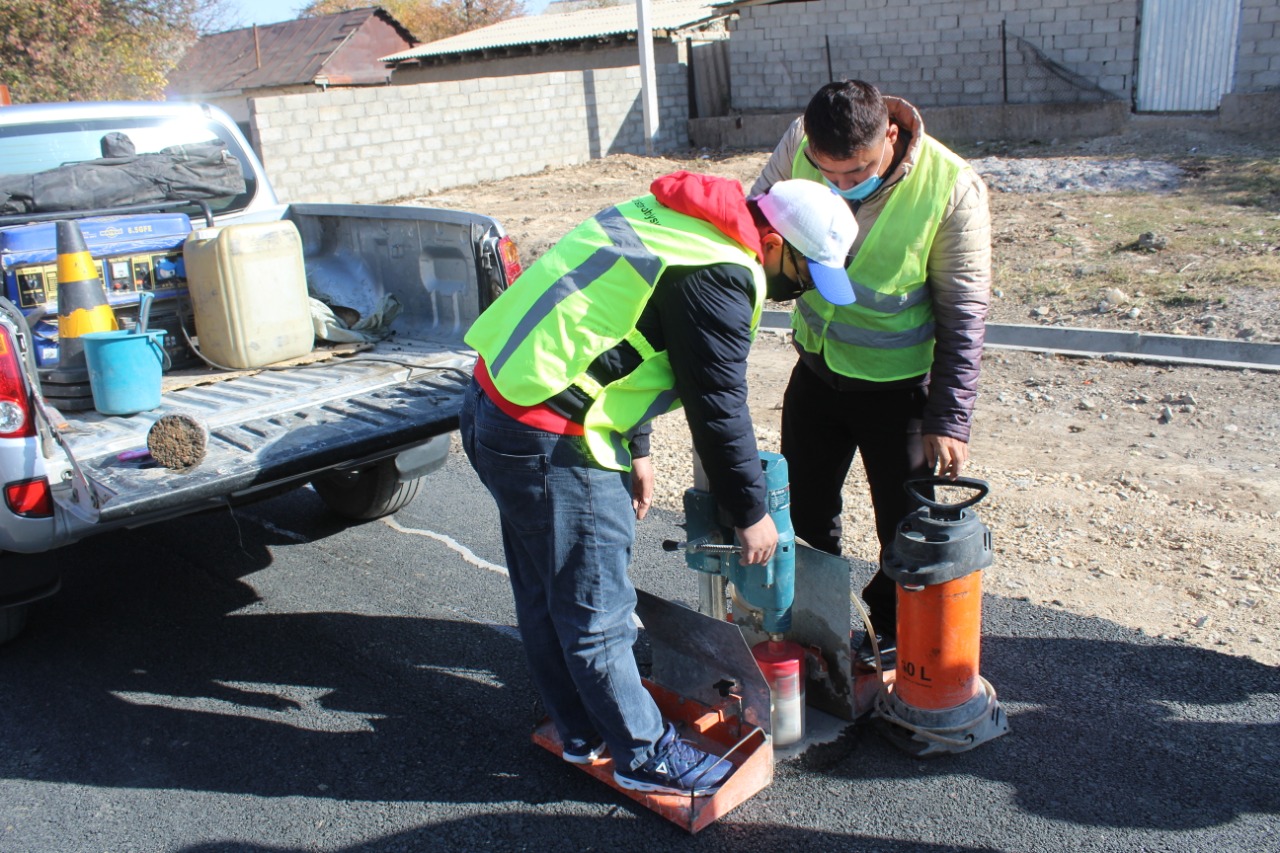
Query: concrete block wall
pixel 1254 113
pixel 1258 56
pixel 378 144
pixel 950 125
pixel 932 52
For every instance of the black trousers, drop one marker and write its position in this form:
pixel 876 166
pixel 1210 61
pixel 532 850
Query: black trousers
pixel 822 429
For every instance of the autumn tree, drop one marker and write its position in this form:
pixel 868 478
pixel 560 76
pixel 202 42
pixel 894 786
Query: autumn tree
pixel 430 20
pixel 77 50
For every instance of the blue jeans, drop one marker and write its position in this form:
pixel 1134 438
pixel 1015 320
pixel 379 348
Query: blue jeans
pixel 567 530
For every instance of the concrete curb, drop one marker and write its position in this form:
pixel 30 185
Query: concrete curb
pixel 1116 345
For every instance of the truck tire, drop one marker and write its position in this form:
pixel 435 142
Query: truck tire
pixel 367 493
pixel 12 621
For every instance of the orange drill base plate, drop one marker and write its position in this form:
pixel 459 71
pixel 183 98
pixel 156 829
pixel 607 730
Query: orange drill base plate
pixel 716 729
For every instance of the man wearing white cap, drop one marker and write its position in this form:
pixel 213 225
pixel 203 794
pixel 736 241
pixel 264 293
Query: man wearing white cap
pixel 647 306
pixel 894 376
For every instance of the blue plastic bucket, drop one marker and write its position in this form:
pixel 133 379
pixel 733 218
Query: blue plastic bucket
pixel 124 370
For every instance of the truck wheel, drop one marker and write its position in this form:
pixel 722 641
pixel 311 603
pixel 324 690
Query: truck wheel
pixel 368 493
pixel 12 621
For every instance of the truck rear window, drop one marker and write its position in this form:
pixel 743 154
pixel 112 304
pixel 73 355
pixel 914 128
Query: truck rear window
pixel 27 149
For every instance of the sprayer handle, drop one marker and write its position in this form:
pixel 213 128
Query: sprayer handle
pixel 980 486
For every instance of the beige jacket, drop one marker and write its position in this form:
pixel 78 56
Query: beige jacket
pixel 959 269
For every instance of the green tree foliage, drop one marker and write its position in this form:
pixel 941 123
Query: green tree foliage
pixel 75 50
pixel 430 20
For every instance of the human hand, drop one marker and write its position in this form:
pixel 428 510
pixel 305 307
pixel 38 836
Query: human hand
pixel 641 485
pixel 945 455
pixel 758 542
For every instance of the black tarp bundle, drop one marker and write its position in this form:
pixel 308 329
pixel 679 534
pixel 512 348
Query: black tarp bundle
pixel 180 172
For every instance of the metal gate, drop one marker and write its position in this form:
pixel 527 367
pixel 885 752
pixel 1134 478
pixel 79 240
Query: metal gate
pixel 1186 54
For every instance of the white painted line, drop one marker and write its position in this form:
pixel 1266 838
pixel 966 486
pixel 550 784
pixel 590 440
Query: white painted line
pixel 449 542
pixel 288 534
pixel 468 556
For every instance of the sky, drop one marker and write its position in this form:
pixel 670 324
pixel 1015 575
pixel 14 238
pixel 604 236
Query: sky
pixel 267 11
pixel 274 11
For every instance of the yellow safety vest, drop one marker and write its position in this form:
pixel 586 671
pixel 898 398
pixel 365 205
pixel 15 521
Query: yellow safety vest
pixel 584 297
pixel 888 333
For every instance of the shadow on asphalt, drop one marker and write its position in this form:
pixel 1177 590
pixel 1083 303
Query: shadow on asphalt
pixel 137 675
pixel 1108 727
pixel 517 832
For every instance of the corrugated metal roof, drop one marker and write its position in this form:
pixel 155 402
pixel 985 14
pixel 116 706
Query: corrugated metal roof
pixel 283 54
pixel 582 25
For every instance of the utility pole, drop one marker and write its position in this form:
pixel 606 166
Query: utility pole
pixel 648 86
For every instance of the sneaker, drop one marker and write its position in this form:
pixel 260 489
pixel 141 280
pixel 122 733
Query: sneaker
pixel 677 767
pixel 865 659
pixel 583 750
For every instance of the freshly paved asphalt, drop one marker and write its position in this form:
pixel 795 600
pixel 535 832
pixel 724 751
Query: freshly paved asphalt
pixel 270 680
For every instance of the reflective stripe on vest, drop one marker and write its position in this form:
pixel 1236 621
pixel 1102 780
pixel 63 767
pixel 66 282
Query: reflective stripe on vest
pixel 624 246
pixel 888 333
pixel 584 297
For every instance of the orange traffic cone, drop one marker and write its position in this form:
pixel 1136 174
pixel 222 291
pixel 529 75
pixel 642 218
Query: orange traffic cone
pixel 82 298
pixel 82 308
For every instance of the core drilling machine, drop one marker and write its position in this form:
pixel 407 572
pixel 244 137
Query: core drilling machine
pixel 794 609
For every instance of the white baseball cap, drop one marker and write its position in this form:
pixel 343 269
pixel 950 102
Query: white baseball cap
pixel 820 225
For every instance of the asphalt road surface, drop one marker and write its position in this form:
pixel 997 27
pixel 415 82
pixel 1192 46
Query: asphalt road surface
pixel 271 680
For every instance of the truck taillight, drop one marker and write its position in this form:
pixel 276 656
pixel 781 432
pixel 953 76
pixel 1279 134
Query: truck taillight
pixel 15 405
pixel 510 259
pixel 29 498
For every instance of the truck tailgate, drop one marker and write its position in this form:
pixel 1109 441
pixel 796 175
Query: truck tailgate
pixel 339 411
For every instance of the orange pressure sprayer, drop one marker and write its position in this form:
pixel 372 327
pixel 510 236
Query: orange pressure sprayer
pixel 938 701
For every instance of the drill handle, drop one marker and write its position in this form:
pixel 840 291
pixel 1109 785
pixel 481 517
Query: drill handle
pixel 700 546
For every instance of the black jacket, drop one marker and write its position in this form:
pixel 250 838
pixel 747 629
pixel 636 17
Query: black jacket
pixel 702 317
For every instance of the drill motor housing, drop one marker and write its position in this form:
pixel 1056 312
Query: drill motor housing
pixel 770 588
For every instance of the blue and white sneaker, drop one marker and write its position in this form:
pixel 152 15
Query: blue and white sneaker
pixel 677 767
pixel 582 751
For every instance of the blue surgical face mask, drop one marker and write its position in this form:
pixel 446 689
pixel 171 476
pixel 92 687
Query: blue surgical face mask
pixel 862 190
pixel 859 192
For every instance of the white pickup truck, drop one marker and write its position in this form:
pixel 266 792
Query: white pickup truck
pixel 362 422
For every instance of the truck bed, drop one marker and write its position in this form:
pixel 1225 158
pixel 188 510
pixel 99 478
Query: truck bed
pixel 286 423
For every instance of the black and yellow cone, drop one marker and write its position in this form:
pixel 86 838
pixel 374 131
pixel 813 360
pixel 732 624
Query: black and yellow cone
pixel 82 299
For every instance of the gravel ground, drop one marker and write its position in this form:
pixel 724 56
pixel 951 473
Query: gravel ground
pixel 1028 175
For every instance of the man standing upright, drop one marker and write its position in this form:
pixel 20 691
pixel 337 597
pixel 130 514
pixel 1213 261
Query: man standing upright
pixel 893 375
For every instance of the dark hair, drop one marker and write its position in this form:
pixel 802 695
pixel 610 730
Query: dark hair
pixel 761 221
pixel 757 215
pixel 845 118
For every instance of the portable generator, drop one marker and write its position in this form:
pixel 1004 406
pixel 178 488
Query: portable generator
pixel 133 254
